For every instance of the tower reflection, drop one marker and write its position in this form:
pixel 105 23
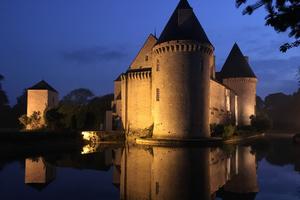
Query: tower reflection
pixel 38 173
pixel 158 173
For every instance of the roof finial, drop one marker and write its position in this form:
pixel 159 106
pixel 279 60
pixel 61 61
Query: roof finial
pixel 155 31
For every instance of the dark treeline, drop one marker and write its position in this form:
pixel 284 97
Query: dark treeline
pixel 78 110
pixel 283 110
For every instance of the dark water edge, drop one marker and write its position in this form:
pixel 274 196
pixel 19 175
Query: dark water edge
pixel 139 172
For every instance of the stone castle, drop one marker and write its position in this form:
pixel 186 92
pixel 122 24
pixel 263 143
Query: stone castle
pixel 173 90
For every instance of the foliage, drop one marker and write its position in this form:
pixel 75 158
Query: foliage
pixel 1 79
pixel 261 123
pixel 34 121
pixel 53 119
pixel 78 96
pixel 282 15
pixel 224 131
pixel 72 116
pixel 283 110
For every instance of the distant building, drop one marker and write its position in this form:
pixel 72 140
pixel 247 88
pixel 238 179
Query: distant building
pixel 40 97
pixel 172 86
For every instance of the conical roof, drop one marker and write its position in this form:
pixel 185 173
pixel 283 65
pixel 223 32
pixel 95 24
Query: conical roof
pixel 236 65
pixel 42 85
pixel 183 25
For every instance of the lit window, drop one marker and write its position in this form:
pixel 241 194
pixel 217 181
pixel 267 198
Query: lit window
pixel 157 94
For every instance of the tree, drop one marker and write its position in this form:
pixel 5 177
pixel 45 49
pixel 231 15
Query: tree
pixel 79 96
pixel 1 79
pixel 283 15
pixel 54 119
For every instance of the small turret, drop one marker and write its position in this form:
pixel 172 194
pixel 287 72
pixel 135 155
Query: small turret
pixel 40 97
pixel 238 75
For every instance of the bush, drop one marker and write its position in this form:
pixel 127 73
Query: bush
pixel 224 131
pixel 261 123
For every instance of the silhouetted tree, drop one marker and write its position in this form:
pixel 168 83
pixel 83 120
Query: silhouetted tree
pixel 1 79
pixel 20 107
pixel 283 15
pixel 79 96
pixel 76 116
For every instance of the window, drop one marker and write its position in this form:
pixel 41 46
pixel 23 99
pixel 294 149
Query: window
pixel 157 94
pixel 157 66
pixel 146 58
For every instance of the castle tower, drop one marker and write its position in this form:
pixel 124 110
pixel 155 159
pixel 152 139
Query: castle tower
pixel 238 75
pixel 182 61
pixel 40 97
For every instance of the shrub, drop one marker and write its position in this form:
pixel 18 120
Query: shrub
pixel 224 131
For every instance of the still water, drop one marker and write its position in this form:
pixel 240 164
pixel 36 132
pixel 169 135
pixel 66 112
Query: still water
pixel 267 169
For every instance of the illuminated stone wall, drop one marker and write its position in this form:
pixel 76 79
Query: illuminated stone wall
pixel 222 104
pixel 245 88
pixel 39 101
pixel 180 89
pixel 136 101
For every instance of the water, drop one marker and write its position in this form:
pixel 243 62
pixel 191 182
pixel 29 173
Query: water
pixel 263 170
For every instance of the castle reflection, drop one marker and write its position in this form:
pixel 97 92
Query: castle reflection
pixel 187 173
pixel 161 173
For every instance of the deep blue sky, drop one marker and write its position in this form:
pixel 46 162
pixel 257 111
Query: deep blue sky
pixel 79 43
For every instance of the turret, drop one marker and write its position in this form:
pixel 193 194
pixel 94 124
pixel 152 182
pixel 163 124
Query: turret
pixel 238 75
pixel 40 97
pixel 182 61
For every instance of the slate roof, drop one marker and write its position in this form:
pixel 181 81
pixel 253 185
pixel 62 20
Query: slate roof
pixel 42 85
pixel 183 25
pixel 236 65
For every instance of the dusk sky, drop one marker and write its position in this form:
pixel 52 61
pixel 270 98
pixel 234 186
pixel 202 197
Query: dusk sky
pixel 79 43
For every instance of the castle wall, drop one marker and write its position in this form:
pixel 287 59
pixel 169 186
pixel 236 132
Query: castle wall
pixel 245 88
pixel 136 97
pixel 180 90
pixel 222 104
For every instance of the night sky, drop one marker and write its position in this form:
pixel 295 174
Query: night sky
pixel 79 43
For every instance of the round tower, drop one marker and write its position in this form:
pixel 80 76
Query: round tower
pixel 238 75
pixel 183 57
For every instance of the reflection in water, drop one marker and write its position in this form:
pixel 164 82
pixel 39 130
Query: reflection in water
pixel 185 173
pixel 162 173
pixel 38 173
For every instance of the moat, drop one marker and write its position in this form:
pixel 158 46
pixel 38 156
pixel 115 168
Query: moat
pixel 265 169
